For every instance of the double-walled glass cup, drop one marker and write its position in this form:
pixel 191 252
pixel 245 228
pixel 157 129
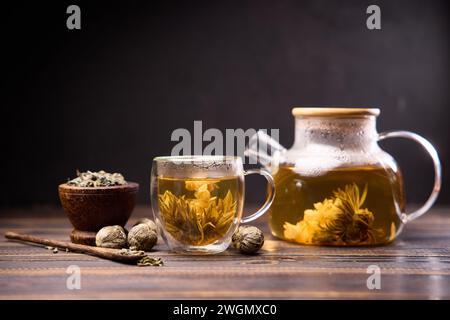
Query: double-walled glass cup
pixel 198 201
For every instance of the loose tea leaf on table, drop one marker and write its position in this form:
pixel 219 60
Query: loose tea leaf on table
pixel 146 260
pixel 150 261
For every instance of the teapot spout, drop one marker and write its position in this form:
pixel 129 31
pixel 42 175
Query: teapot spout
pixel 265 149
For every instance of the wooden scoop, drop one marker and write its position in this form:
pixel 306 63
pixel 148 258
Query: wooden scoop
pixel 105 253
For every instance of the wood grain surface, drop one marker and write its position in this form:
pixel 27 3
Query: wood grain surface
pixel 416 266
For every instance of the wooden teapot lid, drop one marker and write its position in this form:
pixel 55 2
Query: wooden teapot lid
pixel 333 112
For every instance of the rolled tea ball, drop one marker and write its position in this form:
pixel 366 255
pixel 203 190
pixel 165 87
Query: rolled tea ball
pixel 248 239
pixel 142 237
pixel 147 221
pixel 111 237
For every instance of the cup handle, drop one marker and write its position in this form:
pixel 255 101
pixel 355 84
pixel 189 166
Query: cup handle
pixel 437 170
pixel 270 194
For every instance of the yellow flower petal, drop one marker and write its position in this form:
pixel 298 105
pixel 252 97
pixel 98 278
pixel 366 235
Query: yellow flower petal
pixel 332 218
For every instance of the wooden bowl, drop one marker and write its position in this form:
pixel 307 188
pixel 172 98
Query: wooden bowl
pixel 90 209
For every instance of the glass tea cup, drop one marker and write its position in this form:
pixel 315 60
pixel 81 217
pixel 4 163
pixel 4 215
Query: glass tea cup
pixel 197 201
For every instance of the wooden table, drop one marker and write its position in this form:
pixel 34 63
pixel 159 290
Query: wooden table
pixel 417 266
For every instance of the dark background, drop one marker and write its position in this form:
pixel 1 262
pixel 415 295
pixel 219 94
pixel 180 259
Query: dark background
pixel 108 96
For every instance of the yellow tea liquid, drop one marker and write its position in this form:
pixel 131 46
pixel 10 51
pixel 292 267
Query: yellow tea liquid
pixel 200 211
pixel 346 206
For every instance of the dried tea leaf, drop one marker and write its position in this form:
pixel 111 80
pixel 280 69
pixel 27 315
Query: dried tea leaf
pixel 131 252
pixel 150 261
pixel 97 179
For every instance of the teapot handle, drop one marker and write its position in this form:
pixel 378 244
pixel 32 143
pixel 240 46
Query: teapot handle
pixel 437 170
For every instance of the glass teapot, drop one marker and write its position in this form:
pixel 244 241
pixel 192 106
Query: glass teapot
pixel 336 186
